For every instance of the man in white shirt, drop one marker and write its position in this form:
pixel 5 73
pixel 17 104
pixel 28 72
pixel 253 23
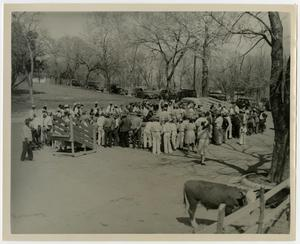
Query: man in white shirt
pixel 236 109
pixel 167 130
pixel 156 130
pixel 110 108
pixel 32 112
pixel 46 126
pixel 145 111
pixel 95 109
pixel 101 133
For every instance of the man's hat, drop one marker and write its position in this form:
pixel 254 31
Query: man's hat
pixel 27 120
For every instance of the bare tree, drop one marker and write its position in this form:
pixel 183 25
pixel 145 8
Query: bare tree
pixel 28 23
pixel 272 34
pixel 166 35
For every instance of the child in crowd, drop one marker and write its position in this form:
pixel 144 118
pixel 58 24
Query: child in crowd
pixel 243 132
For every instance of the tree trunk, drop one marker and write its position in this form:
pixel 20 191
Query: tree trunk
pixel 87 77
pixel 280 105
pixel 108 81
pixel 194 72
pixel 204 77
pixel 30 78
pixel 205 63
pixel 168 78
pixel 30 74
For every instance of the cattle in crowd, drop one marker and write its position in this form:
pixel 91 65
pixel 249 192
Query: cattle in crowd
pixel 210 195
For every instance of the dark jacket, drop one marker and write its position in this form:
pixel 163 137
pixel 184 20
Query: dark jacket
pixel 125 124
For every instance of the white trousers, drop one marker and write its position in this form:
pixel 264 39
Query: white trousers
pixel 101 135
pixel 167 143
pixel 156 142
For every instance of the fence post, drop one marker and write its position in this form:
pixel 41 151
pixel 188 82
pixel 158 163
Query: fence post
pixel 221 215
pixel 72 136
pixel 261 211
pixel 94 137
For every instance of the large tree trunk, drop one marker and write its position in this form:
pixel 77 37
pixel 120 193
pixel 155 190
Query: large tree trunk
pixel 87 78
pixel 279 99
pixel 30 79
pixel 30 73
pixel 108 82
pixel 194 72
pixel 205 63
pixel 168 78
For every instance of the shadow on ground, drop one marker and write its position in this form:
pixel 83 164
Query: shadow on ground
pixel 186 221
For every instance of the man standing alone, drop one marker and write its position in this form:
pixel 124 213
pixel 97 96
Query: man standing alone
pixel 27 140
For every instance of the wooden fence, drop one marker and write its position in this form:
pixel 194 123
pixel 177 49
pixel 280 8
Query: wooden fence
pixel 76 134
pixel 264 221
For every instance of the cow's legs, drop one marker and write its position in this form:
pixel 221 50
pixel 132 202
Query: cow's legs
pixel 192 211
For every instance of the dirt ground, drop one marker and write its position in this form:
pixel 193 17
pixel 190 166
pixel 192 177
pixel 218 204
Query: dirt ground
pixel 118 190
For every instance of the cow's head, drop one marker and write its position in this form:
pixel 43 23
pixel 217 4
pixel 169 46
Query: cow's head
pixel 247 197
pixel 250 196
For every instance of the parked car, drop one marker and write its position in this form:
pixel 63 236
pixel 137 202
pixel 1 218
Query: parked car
pixel 168 95
pixel 139 93
pixel 148 94
pixel 185 93
pixel 95 85
pixel 135 91
pixel 75 82
pixel 118 90
pixel 242 102
pixel 218 96
pixel 121 91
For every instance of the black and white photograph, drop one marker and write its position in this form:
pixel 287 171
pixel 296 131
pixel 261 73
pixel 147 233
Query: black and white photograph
pixel 151 122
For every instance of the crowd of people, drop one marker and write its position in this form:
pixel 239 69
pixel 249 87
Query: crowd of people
pixel 161 127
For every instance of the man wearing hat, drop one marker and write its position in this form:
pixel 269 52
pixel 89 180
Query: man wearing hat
pixel 95 109
pixel 44 109
pixel 27 141
pixel 32 112
pixel 110 108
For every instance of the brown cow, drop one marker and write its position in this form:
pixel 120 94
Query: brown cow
pixel 211 195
